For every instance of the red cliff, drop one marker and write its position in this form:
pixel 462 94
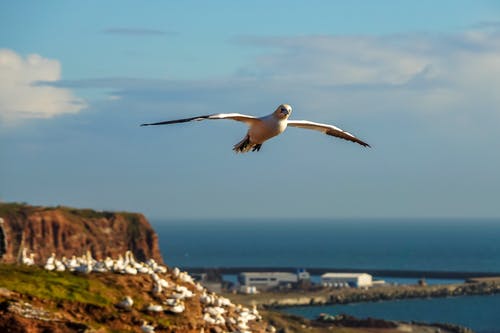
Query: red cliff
pixel 68 231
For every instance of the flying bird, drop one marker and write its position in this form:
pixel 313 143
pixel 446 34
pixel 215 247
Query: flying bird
pixel 264 128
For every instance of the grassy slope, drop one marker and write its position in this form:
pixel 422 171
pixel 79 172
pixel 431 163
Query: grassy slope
pixel 56 286
pixel 78 293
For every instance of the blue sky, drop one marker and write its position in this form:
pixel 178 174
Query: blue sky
pixel 418 80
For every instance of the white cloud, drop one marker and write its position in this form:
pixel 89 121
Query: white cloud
pixel 444 80
pixel 21 97
pixel 392 60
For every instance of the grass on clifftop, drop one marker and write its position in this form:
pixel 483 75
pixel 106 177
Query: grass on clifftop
pixel 54 285
pixel 12 208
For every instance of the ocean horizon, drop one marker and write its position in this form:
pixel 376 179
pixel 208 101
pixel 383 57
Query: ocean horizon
pixel 468 245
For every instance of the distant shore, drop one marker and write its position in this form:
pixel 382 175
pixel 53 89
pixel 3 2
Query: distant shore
pixel 480 286
pixel 374 272
pixel 474 283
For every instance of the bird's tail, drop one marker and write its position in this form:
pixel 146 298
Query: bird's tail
pixel 244 146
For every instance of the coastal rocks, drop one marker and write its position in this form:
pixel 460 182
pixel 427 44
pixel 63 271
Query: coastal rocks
pixel 383 293
pixel 293 301
pixel 20 316
pixel 452 328
pixel 27 310
pixel 65 231
pixel 344 320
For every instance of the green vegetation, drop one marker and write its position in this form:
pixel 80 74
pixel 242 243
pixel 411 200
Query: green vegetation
pixel 87 213
pixel 8 208
pixel 55 285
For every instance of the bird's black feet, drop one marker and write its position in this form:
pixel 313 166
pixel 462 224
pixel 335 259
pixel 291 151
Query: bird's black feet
pixel 243 145
pixel 256 147
pixel 246 145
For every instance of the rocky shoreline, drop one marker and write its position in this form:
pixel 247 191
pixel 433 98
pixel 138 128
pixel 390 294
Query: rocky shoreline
pixel 383 293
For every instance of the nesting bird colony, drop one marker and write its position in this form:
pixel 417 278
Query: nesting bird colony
pixel 171 287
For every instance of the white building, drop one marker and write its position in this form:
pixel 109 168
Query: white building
pixel 302 274
pixel 248 290
pixel 358 280
pixel 265 280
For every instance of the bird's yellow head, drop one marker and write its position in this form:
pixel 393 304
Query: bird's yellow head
pixel 283 111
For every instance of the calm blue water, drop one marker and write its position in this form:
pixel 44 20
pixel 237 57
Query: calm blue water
pixel 481 313
pixel 454 245
pixel 463 245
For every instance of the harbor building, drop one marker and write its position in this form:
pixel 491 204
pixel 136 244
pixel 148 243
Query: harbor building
pixel 358 280
pixel 266 280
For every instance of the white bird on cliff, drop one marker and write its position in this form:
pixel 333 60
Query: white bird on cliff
pixel 178 307
pixel 70 264
pixel 222 301
pixel 266 127
pixel 155 267
pixel 86 262
pixel 129 269
pixel 185 277
pixel 49 264
pixel 129 257
pixel 126 303
pixel 160 281
pixel 27 260
pixel 157 288
pixel 143 268
pixel 208 319
pixel 119 264
pixel 207 298
pixel 214 310
pixel 146 328
pixel 170 301
pixel 182 292
pixel 100 267
pixel 154 308
pixel 59 265
pixel 108 262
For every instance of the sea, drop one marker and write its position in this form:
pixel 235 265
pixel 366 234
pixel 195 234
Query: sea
pixel 458 245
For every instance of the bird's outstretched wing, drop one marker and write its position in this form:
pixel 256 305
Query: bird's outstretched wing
pixel 233 116
pixel 327 129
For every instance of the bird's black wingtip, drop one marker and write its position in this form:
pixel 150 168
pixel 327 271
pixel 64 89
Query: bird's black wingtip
pixel 364 144
pixel 144 125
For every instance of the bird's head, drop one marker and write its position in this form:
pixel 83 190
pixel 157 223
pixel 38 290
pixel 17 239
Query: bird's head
pixel 283 111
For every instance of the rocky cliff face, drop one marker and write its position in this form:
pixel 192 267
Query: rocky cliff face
pixel 68 231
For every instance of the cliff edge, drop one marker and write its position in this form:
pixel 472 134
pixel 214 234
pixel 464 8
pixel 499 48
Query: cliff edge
pixel 69 231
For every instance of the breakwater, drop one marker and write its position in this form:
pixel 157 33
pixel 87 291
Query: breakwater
pixel 374 272
pixel 356 295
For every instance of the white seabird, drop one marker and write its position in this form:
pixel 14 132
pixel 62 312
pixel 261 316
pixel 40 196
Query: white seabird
pixel 50 263
pixel 154 308
pixel 146 328
pixel 27 260
pixel 126 303
pixel 266 127
pixel 178 307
